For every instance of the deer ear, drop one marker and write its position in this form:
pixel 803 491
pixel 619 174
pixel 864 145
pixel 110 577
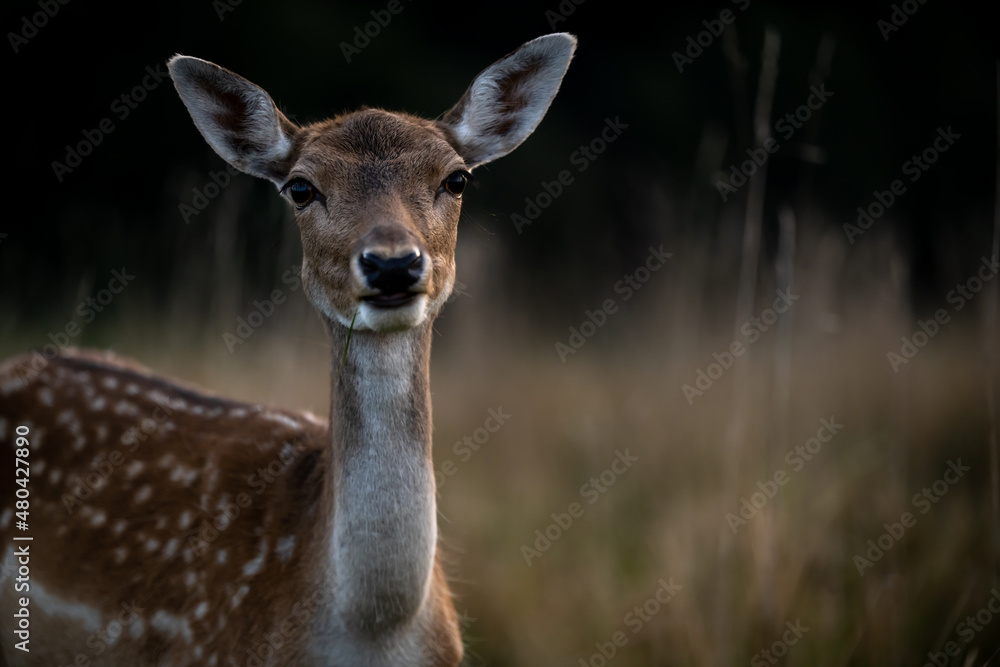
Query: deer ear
pixel 507 101
pixel 238 119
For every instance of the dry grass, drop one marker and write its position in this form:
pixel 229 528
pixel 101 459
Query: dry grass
pixel 665 517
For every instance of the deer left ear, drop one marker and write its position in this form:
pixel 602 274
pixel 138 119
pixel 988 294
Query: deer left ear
pixel 238 119
pixel 508 100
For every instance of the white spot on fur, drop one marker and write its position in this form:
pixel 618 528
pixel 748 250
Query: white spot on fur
pixel 120 554
pixel 109 382
pixel 119 526
pixel 177 404
pixel 239 595
pixel 126 409
pixel 133 469
pixel 257 564
pixel 37 438
pixel 46 396
pixel 314 419
pixel 98 519
pixel 200 610
pixel 171 548
pixel 5 517
pixel 98 404
pixel 55 475
pixel 190 579
pixel 282 419
pixel 285 547
pixel 132 389
pixel 158 397
pixel 220 556
pixel 144 493
pixel 171 625
pixel 11 384
pixel 184 475
pixel 42 600
pixel 212 476
pixel 68 419
pixel 185 520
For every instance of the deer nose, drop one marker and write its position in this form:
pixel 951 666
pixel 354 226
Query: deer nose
pixel 392 275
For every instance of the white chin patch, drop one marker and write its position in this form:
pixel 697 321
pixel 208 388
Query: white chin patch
pixel 376 318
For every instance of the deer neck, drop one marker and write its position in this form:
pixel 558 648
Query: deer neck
pixel 383 529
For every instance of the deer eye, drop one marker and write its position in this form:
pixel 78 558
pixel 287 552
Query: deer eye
pixel 301 191
pixel 456 182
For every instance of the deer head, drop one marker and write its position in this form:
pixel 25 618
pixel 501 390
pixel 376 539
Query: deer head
pixel 377 194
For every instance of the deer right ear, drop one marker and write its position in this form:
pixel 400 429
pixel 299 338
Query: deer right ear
pixel 508 99
pixel 237 118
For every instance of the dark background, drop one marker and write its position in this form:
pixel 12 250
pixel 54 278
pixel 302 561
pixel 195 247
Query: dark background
pixel 889 99
pixel 494 345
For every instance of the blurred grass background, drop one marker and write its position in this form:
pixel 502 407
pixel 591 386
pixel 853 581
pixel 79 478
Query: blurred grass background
pixel 495 345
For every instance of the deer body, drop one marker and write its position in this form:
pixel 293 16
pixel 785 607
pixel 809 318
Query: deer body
pixel 172 527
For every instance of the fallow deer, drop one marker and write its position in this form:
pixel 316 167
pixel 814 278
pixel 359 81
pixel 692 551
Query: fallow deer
pixel 172 527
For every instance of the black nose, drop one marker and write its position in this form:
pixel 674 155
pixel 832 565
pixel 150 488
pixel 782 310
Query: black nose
pixel 393 275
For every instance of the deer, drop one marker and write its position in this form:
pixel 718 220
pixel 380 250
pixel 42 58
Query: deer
pixel 165 525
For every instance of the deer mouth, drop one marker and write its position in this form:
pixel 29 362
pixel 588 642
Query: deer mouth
pixel 391 300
